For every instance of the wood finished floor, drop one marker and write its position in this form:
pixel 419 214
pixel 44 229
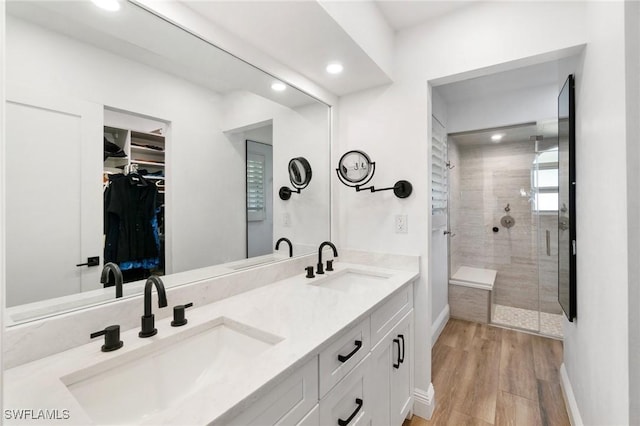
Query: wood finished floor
pixel 486 375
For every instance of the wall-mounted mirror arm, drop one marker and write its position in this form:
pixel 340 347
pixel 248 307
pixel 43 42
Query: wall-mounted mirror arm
pixel 299 175
pixel 402 189
pixel 355 169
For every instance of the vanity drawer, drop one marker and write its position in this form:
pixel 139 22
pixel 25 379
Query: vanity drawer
pixel 312 418
pixel 289 403
pixel 388 315
pixel 349 400
pixel 342 355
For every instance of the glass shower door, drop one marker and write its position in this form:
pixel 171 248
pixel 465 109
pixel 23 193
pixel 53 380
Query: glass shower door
pixel 545 208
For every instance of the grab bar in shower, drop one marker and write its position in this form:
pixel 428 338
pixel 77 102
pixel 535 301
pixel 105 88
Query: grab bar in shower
pixel 548 243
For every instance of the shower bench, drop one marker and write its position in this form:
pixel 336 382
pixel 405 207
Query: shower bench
pixel 470 294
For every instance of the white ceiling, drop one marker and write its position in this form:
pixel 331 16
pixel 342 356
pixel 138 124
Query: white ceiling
pixel 300 35
pixel 518 133
pixel 543 74
pixel 401 14
pixel 141 36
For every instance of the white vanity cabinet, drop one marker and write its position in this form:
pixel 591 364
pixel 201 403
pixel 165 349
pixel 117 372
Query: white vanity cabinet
pixel 392 374
pixel 379 389
pixel 291 402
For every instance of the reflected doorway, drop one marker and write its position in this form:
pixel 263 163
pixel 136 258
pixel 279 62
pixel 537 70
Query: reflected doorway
pixel 259 166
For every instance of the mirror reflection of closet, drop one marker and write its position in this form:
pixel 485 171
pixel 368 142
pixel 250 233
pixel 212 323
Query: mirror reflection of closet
pixel 134 194
pixel 66 62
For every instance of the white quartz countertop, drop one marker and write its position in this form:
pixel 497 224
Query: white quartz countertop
pixel 304 315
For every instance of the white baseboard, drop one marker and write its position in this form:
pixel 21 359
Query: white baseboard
pixel 569 398
pixel 424 402
pixel 438 324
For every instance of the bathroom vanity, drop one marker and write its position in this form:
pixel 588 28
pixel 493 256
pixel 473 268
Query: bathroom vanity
pixel 337 348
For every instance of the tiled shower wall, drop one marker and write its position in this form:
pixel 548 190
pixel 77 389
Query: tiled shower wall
pixel 484 180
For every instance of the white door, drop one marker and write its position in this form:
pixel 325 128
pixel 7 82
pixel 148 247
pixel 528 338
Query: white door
pixel 53 196
pixel 439 256
pixel 259 198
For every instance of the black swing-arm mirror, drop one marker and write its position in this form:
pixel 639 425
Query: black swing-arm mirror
pixel 356 169
pixel 299 175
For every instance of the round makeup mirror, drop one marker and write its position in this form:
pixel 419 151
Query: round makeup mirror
pixel 299 175
pixel 356 167
pixel 299 172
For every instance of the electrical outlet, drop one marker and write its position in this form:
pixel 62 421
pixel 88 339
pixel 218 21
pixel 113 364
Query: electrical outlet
pixel 286 220
pixel 401 224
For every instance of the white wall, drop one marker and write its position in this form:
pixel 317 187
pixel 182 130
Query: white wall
pixel 391 124
pixel 632 47
pixel 2 192
pixel 596 344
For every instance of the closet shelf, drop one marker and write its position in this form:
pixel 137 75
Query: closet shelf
pixel 148 163
pixel 147 150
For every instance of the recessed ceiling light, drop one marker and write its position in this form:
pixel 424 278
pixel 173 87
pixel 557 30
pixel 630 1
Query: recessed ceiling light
pixel 497 137
pixel 335 68
pixel 278 86
pixel 110 5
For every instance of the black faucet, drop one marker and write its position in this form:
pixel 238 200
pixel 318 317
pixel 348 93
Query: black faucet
pixel 286 240
pixel 117 274
pixel 148 321
pixel 320 269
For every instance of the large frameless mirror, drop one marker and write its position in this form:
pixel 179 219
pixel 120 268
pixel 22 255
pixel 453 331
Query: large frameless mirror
pixel 567 200
pixel 104 109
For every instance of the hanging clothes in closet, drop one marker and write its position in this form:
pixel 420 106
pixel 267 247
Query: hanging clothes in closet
pixel 131 226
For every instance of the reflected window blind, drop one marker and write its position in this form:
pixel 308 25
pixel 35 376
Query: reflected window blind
pixel 438 169
pixel 255 187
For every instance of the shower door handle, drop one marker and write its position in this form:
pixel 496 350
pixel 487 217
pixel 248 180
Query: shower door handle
pixel 548 243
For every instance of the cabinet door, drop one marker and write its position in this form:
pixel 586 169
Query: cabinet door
pixel 53 195
pixel 402 370
pixel 380 383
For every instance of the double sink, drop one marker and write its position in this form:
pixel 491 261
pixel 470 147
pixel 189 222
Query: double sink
pixel 134 386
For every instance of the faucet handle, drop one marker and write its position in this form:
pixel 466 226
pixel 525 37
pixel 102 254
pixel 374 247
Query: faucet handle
pixel 111 335
pixel 329 265
pixel 310 272
pixel 178 315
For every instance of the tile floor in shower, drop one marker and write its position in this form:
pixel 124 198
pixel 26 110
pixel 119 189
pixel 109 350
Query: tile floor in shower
pixel 549 324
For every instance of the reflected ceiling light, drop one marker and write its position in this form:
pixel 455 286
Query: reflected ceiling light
pixel 497 137
pixel 110 5
pixel 278 86
pixel 335 68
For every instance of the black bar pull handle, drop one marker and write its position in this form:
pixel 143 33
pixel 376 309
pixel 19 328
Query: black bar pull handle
pixel 91 261
pixel 355 413
pixel 397 364
pixel 344 358
pixel 401 336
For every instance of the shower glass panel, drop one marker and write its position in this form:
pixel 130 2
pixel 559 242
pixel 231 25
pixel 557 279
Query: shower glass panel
pixel 545 207
pixel 516 177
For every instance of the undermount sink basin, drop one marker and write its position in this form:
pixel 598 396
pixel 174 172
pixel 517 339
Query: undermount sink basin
pixel 130 388
pixel 350 279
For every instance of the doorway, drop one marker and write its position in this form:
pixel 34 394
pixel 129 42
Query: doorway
pixel 259 198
